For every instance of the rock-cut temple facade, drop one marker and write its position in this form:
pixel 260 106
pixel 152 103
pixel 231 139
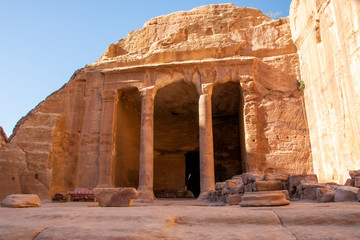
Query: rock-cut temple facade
pixel 197 97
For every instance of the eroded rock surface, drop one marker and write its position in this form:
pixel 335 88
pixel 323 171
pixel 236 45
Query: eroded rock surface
pixel 327 36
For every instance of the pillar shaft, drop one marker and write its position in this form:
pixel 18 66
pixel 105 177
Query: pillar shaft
pixel 207 173
pixel 146 161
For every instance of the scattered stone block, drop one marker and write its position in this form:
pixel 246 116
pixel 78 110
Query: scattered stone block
pixel 297 180
pixel 281 177
pixel 244 177
pixel 286 193
pixel 115 197
pixel 253 177
pixel 234 199
pixel 354 173
pixel 237 177
pixel 213 196
pixel 269 177
pixel 231 183
pixel 261 199
pixel 350 182
pixel 310 190
pixel 248 188
pixel 21 201
pixel 225 191
pixel 237 189
pixel 272 185
pixel 327 197
pixel 358 195
pixel 357 182
pixel 346 194
pixel 219 185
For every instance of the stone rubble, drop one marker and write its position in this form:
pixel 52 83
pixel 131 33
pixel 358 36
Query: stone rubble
pixel 293 186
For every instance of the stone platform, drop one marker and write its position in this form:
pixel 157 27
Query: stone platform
pixel 182 219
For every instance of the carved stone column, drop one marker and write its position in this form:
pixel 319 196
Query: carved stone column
pixel 106 135
pixel 207 172
pixel 146 161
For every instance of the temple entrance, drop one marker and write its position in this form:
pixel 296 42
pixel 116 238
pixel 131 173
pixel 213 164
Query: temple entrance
pixel 228 133
pixel 127 116
pixel 176 132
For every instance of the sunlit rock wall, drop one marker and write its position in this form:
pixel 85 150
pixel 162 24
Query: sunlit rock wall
pixel 327 35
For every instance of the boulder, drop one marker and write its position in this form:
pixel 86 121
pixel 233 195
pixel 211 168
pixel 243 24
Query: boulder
pixel 272 185
pixel 327 197
pixel 297 180
pixel 253 177
pixel 21 201
pixel 115 197
pixel 233 199
pixel 354 173
pixel 219 185
pixel 357 182
pixel 350 182
pixel 309 191
pixel 346 194
pixel 286 193
pixel 261 199
pixel 237 189
pixel 232 183
pixel 248 188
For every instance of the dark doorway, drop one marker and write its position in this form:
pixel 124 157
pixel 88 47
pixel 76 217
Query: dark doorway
pixel 229 147
pixel 176 132
pixel 192 174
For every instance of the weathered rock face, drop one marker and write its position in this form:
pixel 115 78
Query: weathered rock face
pixel 150 96
pixel 3 137
pixel 327 35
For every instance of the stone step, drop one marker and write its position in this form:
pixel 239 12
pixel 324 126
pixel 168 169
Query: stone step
pixel 265 198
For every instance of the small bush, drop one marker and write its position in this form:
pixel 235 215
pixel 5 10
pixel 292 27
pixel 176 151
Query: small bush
pixel 300 85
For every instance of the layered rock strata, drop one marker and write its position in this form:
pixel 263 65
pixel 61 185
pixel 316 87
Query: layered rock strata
pixel 327 36
pixel 158 95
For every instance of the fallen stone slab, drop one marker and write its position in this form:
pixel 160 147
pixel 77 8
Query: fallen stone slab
pixel 21 201
pixel 346 194
pixel 115 197
pixel 263 199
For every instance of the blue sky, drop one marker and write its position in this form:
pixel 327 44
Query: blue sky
pixel 43 42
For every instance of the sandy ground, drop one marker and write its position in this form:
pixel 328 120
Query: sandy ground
pixel 181 219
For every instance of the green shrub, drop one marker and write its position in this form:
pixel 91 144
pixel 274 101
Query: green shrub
pixel 300 85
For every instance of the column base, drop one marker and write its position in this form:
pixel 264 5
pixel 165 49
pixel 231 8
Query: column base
pixel 204 196
pixel 145 196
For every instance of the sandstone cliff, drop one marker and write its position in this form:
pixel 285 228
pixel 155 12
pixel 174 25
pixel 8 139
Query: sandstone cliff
pixel 327 35
pixel 70 139
pixel 3 137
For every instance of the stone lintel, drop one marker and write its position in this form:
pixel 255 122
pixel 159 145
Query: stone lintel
pixel 193 63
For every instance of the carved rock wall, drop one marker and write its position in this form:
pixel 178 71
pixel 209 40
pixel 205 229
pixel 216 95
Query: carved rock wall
pixel 73 139
pixel 327 35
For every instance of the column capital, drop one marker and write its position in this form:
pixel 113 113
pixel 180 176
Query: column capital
pixel 147 92
pixel 207 88
pixel 108 95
